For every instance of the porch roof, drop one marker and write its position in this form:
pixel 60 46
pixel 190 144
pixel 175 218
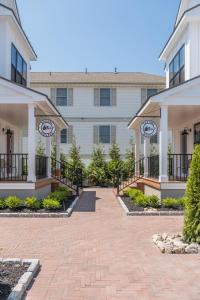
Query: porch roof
pixel 185 95
pixel 13 93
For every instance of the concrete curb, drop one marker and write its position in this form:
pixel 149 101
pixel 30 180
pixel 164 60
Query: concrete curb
pixel 43 215
pixel 148 213
pixel 25 280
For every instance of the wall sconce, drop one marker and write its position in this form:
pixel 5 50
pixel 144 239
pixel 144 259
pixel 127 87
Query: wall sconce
pixel 186 130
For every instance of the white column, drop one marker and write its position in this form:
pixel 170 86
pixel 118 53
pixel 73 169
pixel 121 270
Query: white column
pixel 48 154
pixel 163 145
pixel 137 152
pixel 31 143
pixel 58 148
pixel 146 155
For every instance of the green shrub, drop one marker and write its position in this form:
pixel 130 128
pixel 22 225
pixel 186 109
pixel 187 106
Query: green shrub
pixel 32 203
pixel 192 206
pixel 12 202
pixel 171 203
pixel 62 189
pixel 2 204
pixel 51 204
pixel 134 193
pixel 59 195
pixel 152 201
pixel 140 200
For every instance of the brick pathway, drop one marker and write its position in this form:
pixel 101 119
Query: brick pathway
pixel 100 254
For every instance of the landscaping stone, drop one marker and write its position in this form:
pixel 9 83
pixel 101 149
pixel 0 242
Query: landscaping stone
pixel 174 244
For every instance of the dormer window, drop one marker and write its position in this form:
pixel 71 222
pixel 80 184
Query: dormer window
pixel 177 68
pixel 18 67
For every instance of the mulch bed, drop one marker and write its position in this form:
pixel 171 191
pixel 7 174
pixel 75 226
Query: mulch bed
pixel 10 273
pixel 65 205
pixel 131 207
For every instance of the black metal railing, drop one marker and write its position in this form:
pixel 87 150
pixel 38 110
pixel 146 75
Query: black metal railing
pixel 153 166
pixel 41 167
pixel 67 174
pixel 125 181
pixel 13 167
pixel 178 166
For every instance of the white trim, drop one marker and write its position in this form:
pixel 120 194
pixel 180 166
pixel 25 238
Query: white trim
pixel 173 185
pixel 17 186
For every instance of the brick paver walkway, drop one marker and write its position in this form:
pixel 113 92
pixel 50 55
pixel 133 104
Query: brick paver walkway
pixel 100 254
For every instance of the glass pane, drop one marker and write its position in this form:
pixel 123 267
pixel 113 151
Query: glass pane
pixel 19 63
pixel 182 75
pixel 176 79
pixel 104 97
pixel 154 139
pixel 171 71
pixel 104 134
pixel 63 136
pixel 14 56
pixel 61 92
pixel 176 64
pixel 13 74
pixel 18 78
pixel 24 70
pixel 61 101
pixel 151 92
pixel 182 57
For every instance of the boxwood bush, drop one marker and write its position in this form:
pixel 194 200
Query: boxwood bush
pixel 32 203
pixel 12 202
pixel 192 205
pixel 2 204
pixel 140 199
pixel 172 203
pixel 51 204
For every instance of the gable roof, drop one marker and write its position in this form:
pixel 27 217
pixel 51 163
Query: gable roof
pixel 12 4
pixel 97 77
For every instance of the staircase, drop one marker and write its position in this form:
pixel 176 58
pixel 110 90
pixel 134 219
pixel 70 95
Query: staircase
pixel 125 182
pixel 67 175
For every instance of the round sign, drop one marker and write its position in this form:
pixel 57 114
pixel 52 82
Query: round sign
pixel 148 128
pixel 47 128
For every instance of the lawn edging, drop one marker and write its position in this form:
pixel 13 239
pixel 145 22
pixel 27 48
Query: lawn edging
pixel 66 214
pixel 148 213
pixel 25 280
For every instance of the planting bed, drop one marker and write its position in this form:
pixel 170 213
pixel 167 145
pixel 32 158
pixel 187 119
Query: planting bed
pixel 10 273
pixel 132 209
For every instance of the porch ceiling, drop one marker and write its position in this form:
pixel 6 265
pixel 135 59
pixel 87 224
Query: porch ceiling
pixel 15 114
pixel 182 114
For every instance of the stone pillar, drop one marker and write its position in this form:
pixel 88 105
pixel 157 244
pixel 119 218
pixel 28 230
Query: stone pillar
pixel 163 145
pixel 31 143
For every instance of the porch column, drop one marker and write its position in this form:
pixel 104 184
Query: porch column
pixel 58 145
pixel 163 145
pixel 48 154
pixel 31 143
pixel 146 155
pixel 137 152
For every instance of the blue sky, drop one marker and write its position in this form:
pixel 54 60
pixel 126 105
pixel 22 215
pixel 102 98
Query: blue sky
pixel 69 35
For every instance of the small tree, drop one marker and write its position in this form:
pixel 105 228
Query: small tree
pixel 40 149
pixel 192 205
pixel 129 163
pixel 75 161
pixel 115 165
pixel 97 169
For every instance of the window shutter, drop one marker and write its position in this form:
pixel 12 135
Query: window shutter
pixel 113 134
pixel 96 97
pixel 143 95
pixel 70 135
pixel 70 100
pixel 96 134
pixel 113 97
pixel 53 96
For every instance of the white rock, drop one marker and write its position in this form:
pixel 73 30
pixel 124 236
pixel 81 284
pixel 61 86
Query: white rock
pixel 161 246
pixel 156 238
pixel 164 236
pixel 192 248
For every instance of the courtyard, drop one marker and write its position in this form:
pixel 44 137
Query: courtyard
pixel 101 254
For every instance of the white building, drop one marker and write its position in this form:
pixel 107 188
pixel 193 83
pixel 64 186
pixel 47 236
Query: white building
pixel 97 106
pixel 177 108
pixel 21 173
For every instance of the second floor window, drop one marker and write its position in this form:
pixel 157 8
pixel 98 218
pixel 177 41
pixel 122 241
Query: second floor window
pixel 105 97
pixel 18 67
pixel 104 134
pixel 177 68
pixel 63 136
pixel 147 93
pixel 61 97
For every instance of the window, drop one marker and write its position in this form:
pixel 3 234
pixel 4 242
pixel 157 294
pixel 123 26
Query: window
pixel 177 68
pixel 154 139
pixel 197 133
pixel 151 92
pixel 61 97
pixel 104 134
pixel 18 67
pixel 105 97
pixel 63 136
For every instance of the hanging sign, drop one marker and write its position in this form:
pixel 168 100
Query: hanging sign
pixel 47 128
pixel 148 128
